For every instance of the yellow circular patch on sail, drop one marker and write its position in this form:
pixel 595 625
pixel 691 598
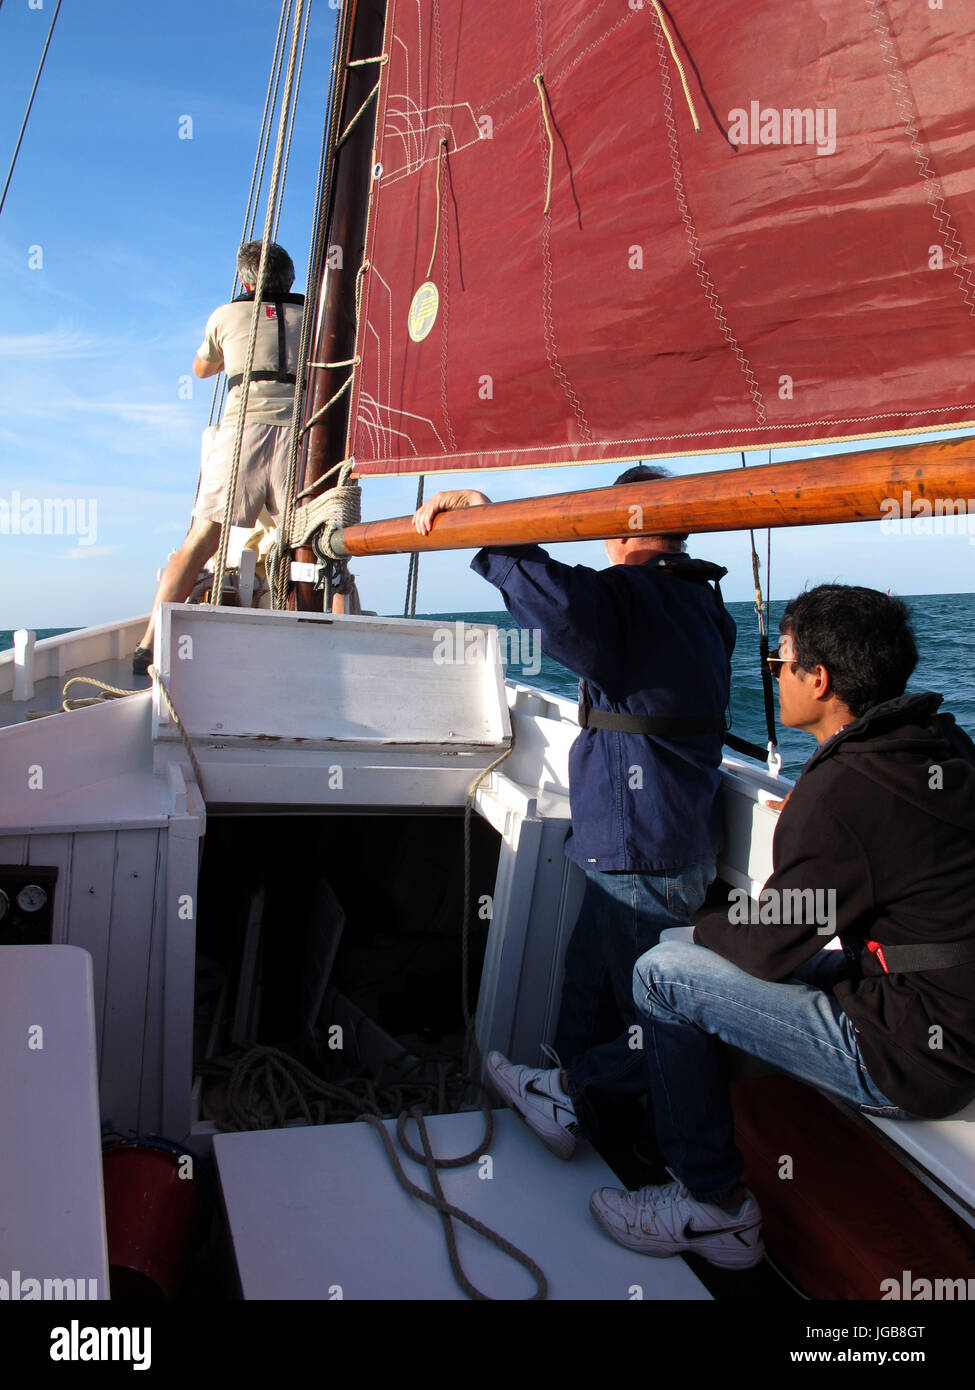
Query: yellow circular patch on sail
pixel 423 310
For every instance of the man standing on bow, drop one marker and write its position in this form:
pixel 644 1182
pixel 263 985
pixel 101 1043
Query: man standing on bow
pixel 266 443
pixel 651 641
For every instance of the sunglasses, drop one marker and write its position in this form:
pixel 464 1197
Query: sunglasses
pixel 776 662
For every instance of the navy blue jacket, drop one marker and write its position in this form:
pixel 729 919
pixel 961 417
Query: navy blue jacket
pixel 648 643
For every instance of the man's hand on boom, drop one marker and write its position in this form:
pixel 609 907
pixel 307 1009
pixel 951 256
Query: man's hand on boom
pixel 445 502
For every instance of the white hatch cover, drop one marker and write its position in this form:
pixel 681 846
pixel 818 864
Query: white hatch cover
pixel 250 675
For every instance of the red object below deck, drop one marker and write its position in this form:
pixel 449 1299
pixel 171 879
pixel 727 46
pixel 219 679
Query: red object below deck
pixel 154 1213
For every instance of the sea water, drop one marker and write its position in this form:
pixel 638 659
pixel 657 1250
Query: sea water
pixel 944 625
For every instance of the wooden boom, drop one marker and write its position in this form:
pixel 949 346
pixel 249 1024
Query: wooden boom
pixel 865 486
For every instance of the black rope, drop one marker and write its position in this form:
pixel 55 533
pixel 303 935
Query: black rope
pixel 30 103
pixel 413 573
pixel 768 695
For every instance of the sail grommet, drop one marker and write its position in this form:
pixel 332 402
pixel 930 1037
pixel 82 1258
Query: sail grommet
pixel 377 171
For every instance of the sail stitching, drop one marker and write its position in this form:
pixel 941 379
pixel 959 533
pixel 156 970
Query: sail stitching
pixel 694 245
pixel 434 463
pixel 909 114
pixel 398 174
pixel 548 316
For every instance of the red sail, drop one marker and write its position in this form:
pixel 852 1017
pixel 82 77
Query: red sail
pixel 796 270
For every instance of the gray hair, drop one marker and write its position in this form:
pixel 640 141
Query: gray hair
pixel 279 274
pixel 649 473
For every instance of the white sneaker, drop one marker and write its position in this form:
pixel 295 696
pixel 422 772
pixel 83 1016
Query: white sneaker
pixel 539 1099
pixel 668 1220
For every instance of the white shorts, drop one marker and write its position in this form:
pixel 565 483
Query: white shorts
pixel 262 478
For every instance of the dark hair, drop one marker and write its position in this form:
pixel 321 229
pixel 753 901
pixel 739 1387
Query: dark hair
pixel 649 473
pixel 862 637
pixel 279 273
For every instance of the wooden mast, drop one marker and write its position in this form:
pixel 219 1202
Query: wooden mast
pixel 867 486
pixel 346 198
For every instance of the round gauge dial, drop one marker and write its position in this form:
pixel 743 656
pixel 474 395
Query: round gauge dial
pixel 31 898
pixel 4 904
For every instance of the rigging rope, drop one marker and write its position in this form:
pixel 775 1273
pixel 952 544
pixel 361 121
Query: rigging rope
pixel 260 155
pixel 413 572
pixel 291 123
pixel 273 191
pixel 763 647
pixel 359 114
pixel 30 103
pixel 280 582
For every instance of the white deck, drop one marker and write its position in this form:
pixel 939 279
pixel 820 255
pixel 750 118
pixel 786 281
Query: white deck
pixel 317 1213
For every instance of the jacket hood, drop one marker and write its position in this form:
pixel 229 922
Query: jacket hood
pixel 911 751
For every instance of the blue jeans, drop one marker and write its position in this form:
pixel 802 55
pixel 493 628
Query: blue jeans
pixel 691 1001
pixel 621 917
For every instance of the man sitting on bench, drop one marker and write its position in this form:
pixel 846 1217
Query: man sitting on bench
pixel 875 845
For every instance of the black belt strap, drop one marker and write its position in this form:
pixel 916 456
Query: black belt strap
pixel 743 745
pixel 234 381
pixel 662 726
pixel 282 344
pixel 932 955
pixel 644 724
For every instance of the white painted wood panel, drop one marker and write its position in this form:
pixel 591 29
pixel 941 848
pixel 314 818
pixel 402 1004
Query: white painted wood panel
pixel 90 906
pixel 123 1035
pixel 13 849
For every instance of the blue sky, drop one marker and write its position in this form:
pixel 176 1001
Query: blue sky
pixel 137 231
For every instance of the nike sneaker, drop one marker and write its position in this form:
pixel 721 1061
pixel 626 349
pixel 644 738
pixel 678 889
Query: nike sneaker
pixel 669 1221
pixel 539 1099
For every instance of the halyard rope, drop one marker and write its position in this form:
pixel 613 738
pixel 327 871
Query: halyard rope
pixel 220 563
pixel 279 579
pixel 260 156
pixel 154 673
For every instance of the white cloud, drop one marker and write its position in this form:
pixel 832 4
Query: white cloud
pixel 88 552
pixel 63 341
